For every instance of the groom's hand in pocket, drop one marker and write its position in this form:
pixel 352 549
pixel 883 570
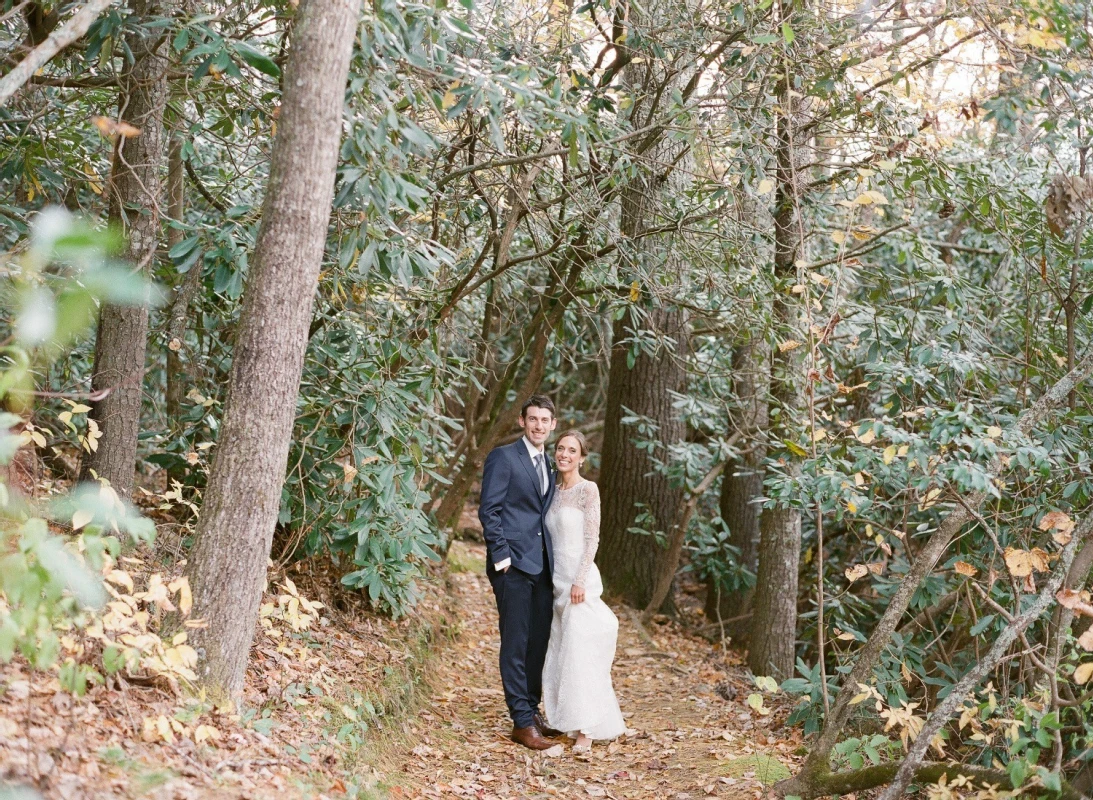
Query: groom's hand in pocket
pixel 576 594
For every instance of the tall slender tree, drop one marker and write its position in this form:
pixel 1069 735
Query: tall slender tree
pixel 136 202
pixel 774 622
pixel 228 565
pixel 743 483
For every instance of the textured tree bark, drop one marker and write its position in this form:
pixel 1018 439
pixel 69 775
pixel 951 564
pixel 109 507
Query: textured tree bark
pixel 743 483
pixel 136 198
pixel 227 567
pixel 774 623
pixel 629 562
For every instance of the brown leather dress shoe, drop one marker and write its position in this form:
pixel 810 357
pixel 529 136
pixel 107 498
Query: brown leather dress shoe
pixel 545 729
pixel 531 738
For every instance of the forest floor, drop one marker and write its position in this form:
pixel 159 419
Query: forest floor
pixel 346 703
pixel 692 735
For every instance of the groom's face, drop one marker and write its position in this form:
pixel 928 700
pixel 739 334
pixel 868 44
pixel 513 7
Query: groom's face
pixel 537 424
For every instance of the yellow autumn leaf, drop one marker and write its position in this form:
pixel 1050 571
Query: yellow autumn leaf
pixel 80 518
pixel 929 499
pixel 206 733
pixel 163 728
pixel 181 585
pixel 867 437
pixel 838 237
pixel 1083 673
pixel 349 472
pixel 855 572
pixel 120 577
pixel 818 434
pixel 1022 563
pixel 148 729
pixel 795 448
pixel 1056 519
pixel 181 656
pixel 889 454
pixel 157 593
pixel 766 186
pixel 755 702
pixel 91 439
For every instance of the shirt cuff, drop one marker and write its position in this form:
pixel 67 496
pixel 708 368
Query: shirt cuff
pixel 502 564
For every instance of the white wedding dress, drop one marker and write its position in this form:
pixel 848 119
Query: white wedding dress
pixel 577 692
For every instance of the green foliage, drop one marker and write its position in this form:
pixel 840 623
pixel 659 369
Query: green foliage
pixel 47 579
pixel 940 289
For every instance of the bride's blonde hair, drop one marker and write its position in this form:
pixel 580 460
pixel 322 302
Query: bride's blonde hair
pixel 576 434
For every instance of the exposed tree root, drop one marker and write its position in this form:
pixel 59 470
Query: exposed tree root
pixel 809 785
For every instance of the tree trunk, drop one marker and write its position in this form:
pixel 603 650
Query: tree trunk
pixel 136 198
pixel 228 565
pixel 742 484
pixel 774 622
pixel 643 384
pixel 177 375
pixel 629 561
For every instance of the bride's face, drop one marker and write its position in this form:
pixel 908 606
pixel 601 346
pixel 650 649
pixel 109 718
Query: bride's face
pixel 567 455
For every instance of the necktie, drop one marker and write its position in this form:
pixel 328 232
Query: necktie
pixel 540 470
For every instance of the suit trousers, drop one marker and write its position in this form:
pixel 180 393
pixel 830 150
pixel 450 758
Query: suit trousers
pixel 525 607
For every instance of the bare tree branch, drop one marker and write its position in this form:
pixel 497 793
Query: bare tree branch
pixel 56 42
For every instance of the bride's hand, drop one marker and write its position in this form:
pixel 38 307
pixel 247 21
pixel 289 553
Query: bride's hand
pixel 576 594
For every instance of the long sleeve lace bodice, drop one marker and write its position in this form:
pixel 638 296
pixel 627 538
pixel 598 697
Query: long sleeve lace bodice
pixel 590 504
pixel 574 522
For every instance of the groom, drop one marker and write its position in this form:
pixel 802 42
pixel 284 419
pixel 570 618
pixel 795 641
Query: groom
pixel 517 486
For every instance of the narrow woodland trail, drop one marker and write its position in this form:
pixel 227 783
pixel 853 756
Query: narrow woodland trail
pixel 688 741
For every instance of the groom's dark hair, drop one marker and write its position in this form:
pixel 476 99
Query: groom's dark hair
pixel 538 401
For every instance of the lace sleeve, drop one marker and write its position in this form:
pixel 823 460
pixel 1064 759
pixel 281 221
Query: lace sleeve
pixel 591 531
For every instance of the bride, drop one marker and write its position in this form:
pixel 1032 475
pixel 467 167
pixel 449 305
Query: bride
pixel 577 690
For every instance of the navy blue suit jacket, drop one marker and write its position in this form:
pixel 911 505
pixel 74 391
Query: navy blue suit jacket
pixel 513 510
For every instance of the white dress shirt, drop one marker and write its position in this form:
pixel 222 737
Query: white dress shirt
pixel 533 451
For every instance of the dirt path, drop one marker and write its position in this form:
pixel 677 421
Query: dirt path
pixel 688 741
